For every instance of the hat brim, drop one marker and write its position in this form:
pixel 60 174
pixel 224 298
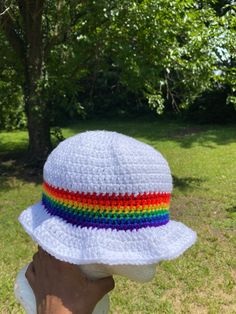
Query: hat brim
pixel 105 246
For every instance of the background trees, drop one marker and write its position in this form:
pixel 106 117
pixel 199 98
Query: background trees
pixel 64 57
pixel 32 29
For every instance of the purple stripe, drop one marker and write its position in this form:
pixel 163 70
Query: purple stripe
pixel 86 224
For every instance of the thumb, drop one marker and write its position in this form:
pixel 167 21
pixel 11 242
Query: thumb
pixel 103 286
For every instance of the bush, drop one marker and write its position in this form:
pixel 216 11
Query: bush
pixel 12 114
pixel 212 107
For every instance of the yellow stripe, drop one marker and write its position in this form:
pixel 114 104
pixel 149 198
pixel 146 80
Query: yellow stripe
pixel 97 208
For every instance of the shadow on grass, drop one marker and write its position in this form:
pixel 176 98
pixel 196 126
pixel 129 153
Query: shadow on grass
pixel 187 183
pixel 14 166
pixel 185 134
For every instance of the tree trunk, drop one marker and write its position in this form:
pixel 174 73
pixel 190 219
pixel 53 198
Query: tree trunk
pixel 38 127
pixel 38 115
pixel 27 42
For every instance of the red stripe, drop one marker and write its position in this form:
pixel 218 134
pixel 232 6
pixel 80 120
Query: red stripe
pixel 113 199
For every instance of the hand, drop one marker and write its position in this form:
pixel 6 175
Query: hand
pixel 61 288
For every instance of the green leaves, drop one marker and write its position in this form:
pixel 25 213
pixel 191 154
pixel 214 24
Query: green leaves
pixel 148 39
pixel 167 51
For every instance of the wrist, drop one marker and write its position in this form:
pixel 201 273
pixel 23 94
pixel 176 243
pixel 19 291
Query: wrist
pixel 51 304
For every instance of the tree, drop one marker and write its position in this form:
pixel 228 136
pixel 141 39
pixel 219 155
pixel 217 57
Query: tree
pixel 33 29
pixel 227 56
pixel 161 49
pixel 164 48
pixel 23 30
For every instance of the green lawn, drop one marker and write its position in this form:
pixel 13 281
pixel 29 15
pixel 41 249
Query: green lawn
pixel 203 163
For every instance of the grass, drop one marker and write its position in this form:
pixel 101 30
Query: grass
pixel 203 163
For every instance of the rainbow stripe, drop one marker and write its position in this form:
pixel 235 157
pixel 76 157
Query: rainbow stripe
pixel 115 211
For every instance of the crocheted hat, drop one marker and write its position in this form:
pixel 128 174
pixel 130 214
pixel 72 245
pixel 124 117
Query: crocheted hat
pixel 106 199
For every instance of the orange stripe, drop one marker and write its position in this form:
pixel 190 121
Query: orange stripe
pixel 94 208
pixel 109 200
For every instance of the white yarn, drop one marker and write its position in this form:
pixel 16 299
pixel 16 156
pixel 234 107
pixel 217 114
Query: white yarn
pixel 89 245
pixel 107 162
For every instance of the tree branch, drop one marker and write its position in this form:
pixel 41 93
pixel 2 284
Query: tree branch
pixel 171 94
pixel 5 11
pixel 61 34
pixel 10 30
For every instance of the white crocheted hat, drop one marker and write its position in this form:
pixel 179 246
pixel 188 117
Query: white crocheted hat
pixel 106 200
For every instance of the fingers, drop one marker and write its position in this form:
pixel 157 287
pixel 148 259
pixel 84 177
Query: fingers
pixel 36 266
pixel 43 254
pixel 30 274
pixel 103 286
pixel 46 257
pixel 36 262
pixel 107 284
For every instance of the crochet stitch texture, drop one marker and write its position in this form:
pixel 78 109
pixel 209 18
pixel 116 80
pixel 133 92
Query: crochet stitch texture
pixel 106 199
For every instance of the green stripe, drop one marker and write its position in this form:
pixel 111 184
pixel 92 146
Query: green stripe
pixel 90 213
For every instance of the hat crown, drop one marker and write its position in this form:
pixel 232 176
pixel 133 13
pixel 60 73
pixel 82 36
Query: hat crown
pixel 107 162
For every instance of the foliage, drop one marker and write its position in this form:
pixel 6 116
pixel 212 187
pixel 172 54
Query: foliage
pixel 144 52
pixel 166 52
pixel 212 107
pixel 11 100
pixel 162 49
pixel 229 66
pixel 11 106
